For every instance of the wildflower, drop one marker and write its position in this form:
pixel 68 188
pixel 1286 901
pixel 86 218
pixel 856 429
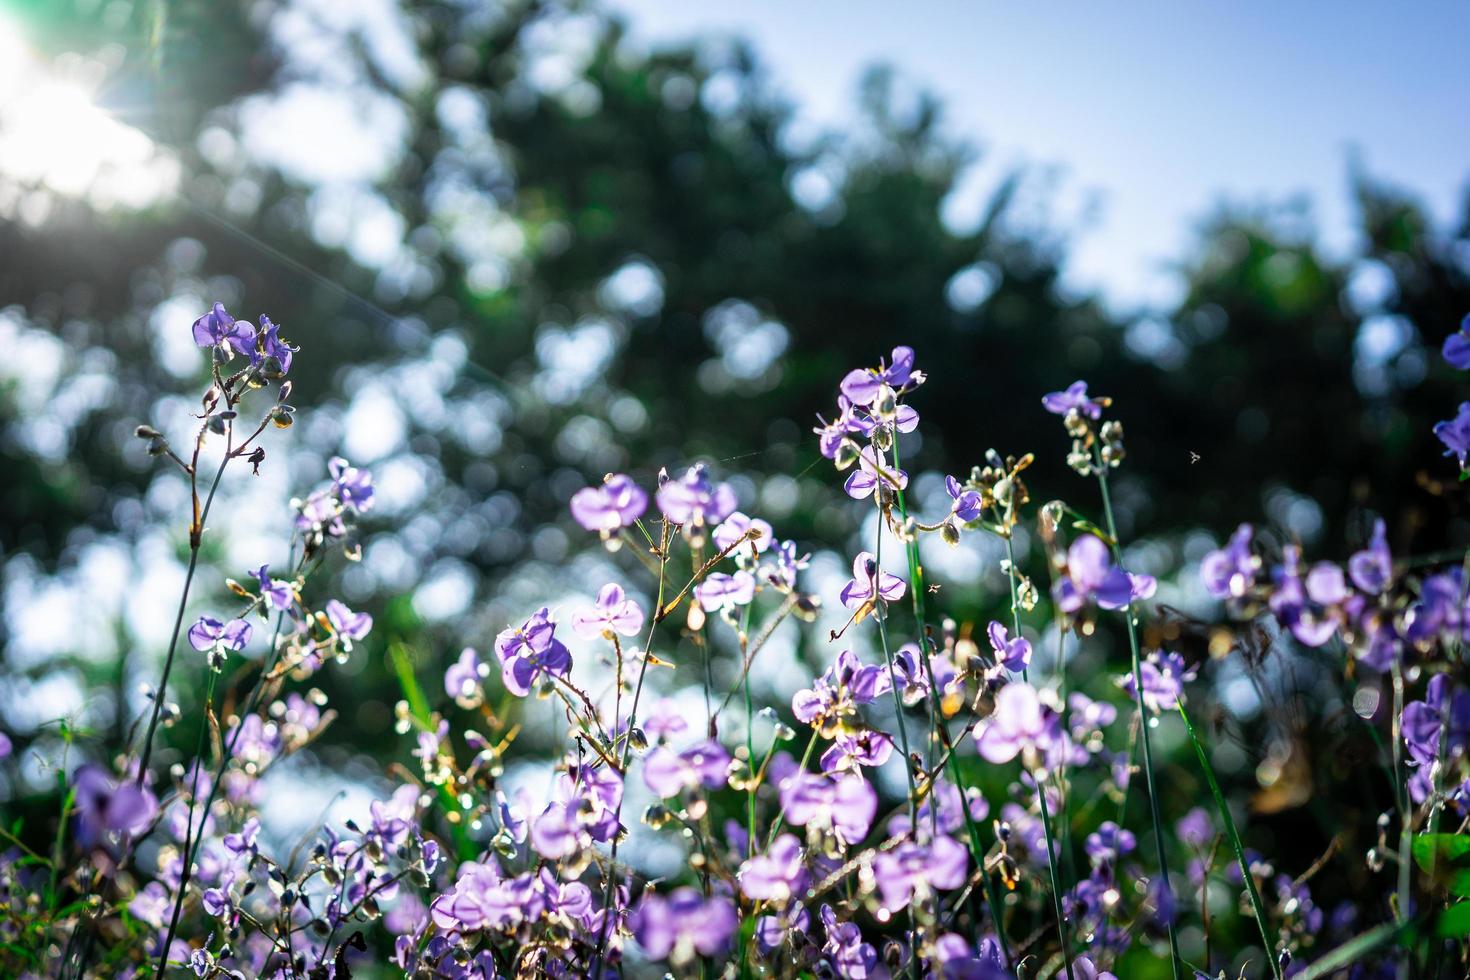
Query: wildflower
pixel 781 573
pixel 664 720
pixel 965 506
pixel 737 527
pixel 1092 576
pixel 851 750
pixel 1230 572
pixel 1195 829
pixel 1012 653
pixel 913 870
pixel 1074 399
pixel 1084 969
pixel 1424 720
pixel 720 592
pixel 108 808
pixel 531 651
pixel 219 640
pixel 777 875
pixel 1109 842
pixel 684 925
pixel 273 352
pixel 951 809
pixel 246 841
pixel 277 593
pixel 151 905
pixel 837 692
pixel 848 955
pixel 771 930
pixel 1457 346
pixel 354 487
pixel 613 613
pixel 862 386
pixel 1455 434
pixel 845 805
pixel 1372 568
pixel 1020 724
pixel 869 580
pixel 832 435
pixel 349 626
pixel 221 331
pixel 873 471
pixel 1440 608
pixel 668 773
pixel 1304 605
pixel 608 508
pixel 693 501
pixel 462 679
pixel 1164 676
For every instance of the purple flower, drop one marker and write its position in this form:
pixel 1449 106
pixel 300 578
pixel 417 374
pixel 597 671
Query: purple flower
pixel 952 806
pixel 277 593
pixel 737 526
pixel 108 808
pixel 354 487
pixel 771 930
pixel 1092 576
pixel 848 955
pixel 613 613
pixel 850 750
pixel 693 501
pixel 684 925
pixel 1455 434
pixel 720 592
pixel 151 905
pixel 480 899
pixel 1456 346
pixel 350 626
pixel 862 385
pixel 1372 568
pixel 845 805
pixel 872 471
pixel 1424 720
pixel 1013 653
pixel 664 720
pixel 842 686
pixel 614 505
pixel 1164 676
pixel 848 422
pixel 781 573
pixel 1020 723
pixel 1230 572
pixel 218 329
pixel 246 841
pixel 777 875
pixel 462 679
pixel 912 869
pixel 1074 399
pixel 966 504
pixel 1304 605
pixel 272 346
pixel 530 651
pixel 209 635
pixel 865 576
pixel 1195 829
pixel 1109 842
pixel 668 773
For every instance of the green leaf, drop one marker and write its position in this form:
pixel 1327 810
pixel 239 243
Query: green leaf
pixel 1358 947
pixel 1440 850
pixel 1454 922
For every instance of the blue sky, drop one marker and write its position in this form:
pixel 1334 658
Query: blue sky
pixel 1155 110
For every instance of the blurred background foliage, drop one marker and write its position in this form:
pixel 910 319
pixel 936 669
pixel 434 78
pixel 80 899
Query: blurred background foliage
pixel 535 253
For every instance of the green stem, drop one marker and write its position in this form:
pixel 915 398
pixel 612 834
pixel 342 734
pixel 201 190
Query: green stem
pixel 1148 762
pixel 1257 906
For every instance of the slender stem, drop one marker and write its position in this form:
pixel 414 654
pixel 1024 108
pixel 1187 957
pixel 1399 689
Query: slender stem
pixel 1406 819
pixel 1257 906
pixel 1051 851
pixel 1148 762
pixel 951 762
pixel 196 533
